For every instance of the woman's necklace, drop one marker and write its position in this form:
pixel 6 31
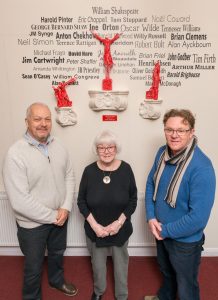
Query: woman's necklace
pixel 107 178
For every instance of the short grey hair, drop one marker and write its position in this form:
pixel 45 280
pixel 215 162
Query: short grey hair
pixel 106 137
pixel 29 108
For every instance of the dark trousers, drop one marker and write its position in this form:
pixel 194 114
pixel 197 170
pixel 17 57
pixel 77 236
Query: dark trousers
pixel 33 243
pixel 179 263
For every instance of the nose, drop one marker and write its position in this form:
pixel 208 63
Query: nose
pixel 174 134
pixel 43 122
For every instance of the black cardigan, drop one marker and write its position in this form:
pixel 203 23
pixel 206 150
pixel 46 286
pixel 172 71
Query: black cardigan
pixel 107 201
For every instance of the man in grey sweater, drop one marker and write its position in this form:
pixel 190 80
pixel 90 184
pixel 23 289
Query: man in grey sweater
pixel 39 182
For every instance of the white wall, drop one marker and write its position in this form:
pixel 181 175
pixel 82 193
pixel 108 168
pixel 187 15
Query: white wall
pixel 140 138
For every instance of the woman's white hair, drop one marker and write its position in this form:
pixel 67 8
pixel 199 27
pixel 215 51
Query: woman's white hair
pixel 106 137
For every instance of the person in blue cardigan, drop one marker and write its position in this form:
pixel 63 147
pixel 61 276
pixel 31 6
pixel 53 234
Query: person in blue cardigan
pixel 180 192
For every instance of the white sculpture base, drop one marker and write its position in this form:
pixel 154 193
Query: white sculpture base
pixel 66 116
pixel 108 100
pixel 150 109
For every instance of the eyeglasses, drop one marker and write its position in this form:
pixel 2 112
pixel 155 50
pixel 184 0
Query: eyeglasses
pixel 179 132
pixel 102 149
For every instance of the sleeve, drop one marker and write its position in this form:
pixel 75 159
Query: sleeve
pixel 149 192
pixel 69 185
pixel 132 196
pixel 81 201
pixel 202 193
pixel 17 189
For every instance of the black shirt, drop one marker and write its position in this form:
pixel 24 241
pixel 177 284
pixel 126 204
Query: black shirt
pixel 107 202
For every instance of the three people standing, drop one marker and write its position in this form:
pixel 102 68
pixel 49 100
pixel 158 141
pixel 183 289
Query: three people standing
pixel 180 190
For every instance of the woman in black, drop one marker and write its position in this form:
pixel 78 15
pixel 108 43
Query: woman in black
pixel 107 199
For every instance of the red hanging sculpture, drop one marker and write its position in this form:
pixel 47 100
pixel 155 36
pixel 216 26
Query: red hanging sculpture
pixel 153 91
pixel 61 93
pixel 108 61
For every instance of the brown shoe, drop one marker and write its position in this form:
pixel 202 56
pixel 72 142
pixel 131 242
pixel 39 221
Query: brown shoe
pixel 151 298
pixel 68 289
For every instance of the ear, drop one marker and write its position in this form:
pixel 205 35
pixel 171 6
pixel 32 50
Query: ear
pixel 26 121
pixel 192 132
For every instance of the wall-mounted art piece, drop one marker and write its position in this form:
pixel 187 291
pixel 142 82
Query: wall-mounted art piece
pixel 113 100
pixel 65 114
pixel 107 98
pixel 150 108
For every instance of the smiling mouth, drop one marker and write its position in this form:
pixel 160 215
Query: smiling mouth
pixel 44 132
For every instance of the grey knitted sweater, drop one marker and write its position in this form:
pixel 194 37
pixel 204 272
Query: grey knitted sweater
pixel 37 186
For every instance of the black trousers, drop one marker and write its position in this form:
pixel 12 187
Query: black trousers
pixel 33 243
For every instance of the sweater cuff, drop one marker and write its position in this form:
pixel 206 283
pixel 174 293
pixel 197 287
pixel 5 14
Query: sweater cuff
pixel 150 216
pixel 54 216
pixel 164 232
pixel 68 208
pixel 67 205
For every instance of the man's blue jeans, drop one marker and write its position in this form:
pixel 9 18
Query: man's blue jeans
pixel 33 243
pixel 179 263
